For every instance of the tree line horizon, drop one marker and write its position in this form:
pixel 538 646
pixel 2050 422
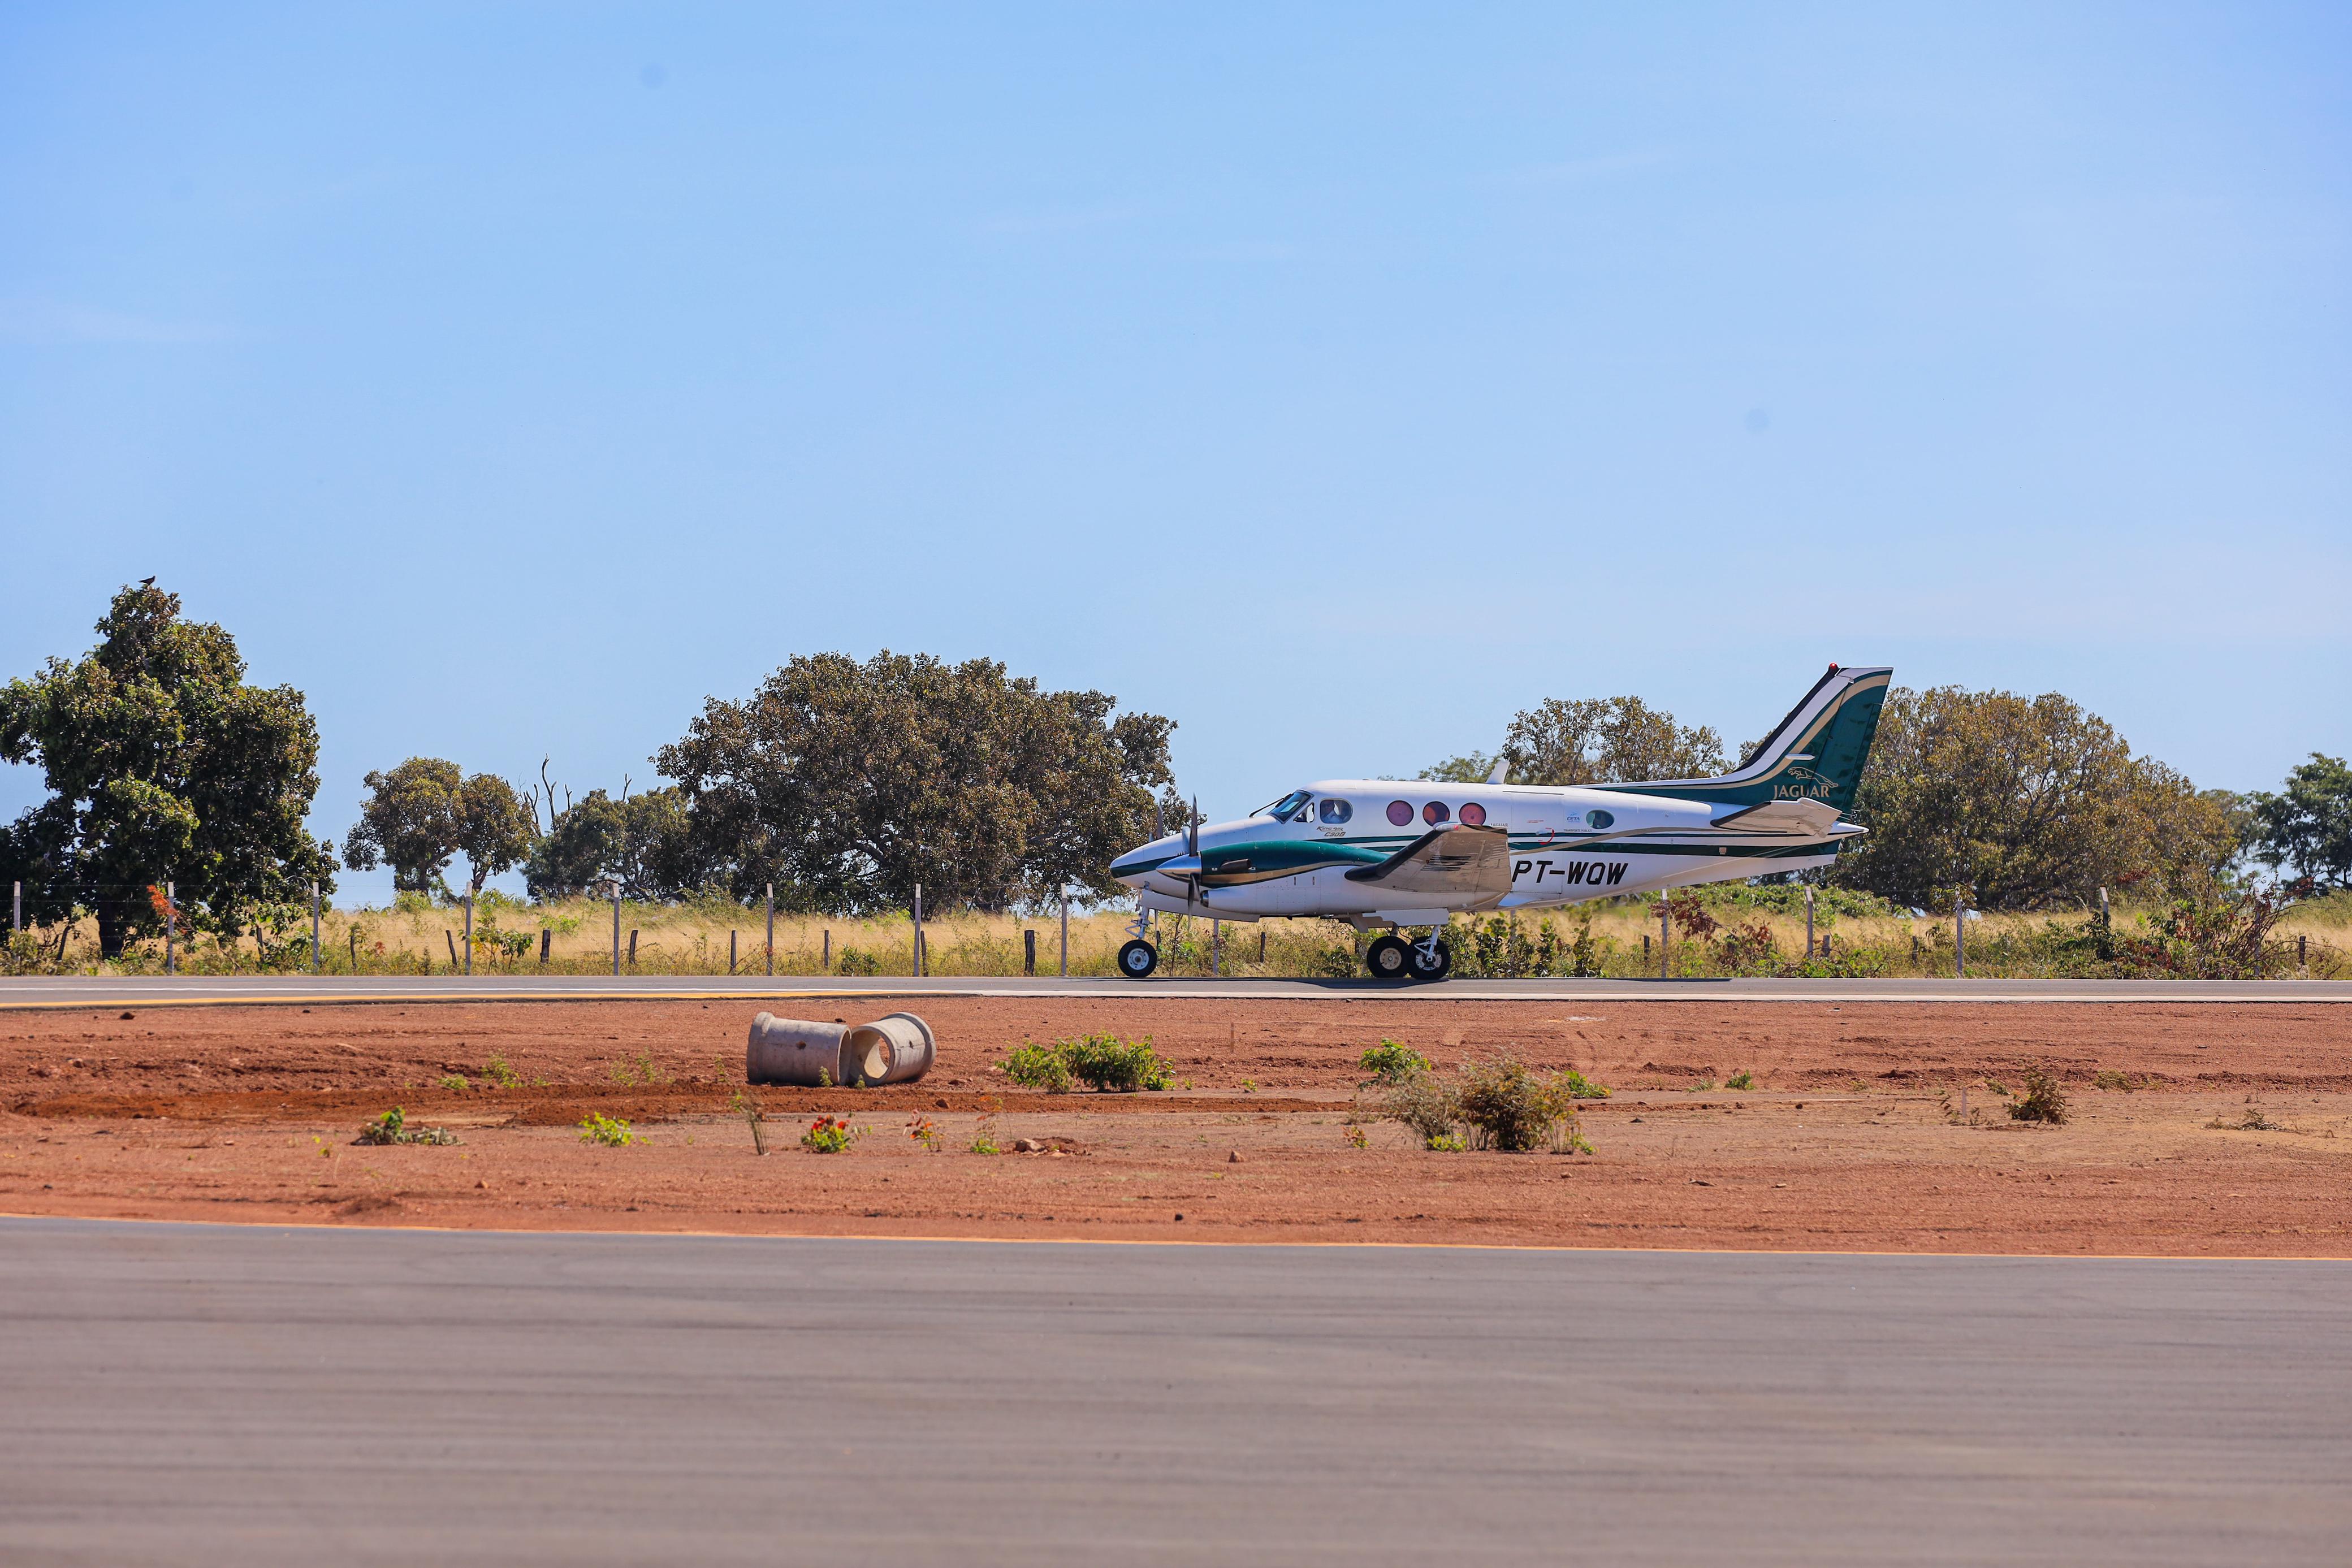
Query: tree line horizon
pixel 844 783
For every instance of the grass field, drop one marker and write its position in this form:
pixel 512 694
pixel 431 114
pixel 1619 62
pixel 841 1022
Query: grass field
pixel 696 938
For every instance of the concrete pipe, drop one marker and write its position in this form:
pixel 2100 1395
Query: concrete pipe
pixel 794 1050
pixel 899 1048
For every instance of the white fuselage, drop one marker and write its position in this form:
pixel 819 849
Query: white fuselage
pixel 1567 845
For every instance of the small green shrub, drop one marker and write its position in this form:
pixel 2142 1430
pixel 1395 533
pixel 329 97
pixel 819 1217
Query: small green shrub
pixel 1113 1065
pixel 393 1128
pixel 1508 1108
pixel 749 1109
pixel 1039 1067
pixel 1427 1104
pixel 1740 1079
pixel 1580 1087
pixel 2109 1079
pixel 983 1138
pixel 1389 1062
pixel 456 1081
pixel 497 1071
pixel 1104 1062
pixel 854 961
pixel 2044 1101
pixel 610 1131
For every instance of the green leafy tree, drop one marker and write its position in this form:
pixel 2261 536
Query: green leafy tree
pixel 2023 801
pixel 422 814
pixel 409 821
pixel 849 783
pixel 1598 741
pixel 646 842
pixel 495 829
pixel 2308 825
pixel 162 765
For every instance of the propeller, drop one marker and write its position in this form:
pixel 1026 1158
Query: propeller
pixel 1193 848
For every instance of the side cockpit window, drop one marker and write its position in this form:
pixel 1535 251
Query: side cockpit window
pixel 1335 811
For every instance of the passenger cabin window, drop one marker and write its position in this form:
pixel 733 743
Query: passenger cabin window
pixel 1291 805
pixel 1598 819
pixel 1332 810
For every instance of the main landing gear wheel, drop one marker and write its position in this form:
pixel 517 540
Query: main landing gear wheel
pixel 1389 959
pixel 1138 959
pixel 1430 963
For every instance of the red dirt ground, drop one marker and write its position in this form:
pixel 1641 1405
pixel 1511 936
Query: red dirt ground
pixel 1847 1141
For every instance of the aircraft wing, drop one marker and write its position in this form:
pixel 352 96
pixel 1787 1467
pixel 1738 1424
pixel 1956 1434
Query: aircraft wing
pixel 1455 865
pixel 1790 818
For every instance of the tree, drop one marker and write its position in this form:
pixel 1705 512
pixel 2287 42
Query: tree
pixel 2023 801
pixel 1594 740
pixel 849 783
pixel 646 842
pixel 163 766
pixel 410 821
pixel 2308 825
pixel 426 811
pixel 495 829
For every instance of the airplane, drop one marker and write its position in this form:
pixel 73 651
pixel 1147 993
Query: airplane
pixel 1404 855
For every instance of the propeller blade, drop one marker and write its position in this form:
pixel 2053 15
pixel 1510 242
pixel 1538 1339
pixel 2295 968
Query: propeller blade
pixel 1192 828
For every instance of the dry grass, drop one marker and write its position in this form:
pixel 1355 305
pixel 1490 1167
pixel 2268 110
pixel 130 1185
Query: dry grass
pixel 693 939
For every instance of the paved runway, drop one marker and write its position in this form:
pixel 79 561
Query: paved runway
pixel 227 1395
pixel 154 990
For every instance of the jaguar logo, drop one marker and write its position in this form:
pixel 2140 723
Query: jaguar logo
pixel 1798 782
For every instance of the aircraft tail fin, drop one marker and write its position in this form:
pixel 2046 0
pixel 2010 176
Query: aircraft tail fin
pixel 1816 752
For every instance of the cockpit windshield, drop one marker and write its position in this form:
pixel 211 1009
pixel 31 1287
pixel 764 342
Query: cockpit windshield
pixel 1288 807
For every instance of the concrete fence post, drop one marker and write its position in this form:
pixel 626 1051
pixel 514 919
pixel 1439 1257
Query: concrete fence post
pixel 730 952
pixel 1664 928
pixel 470 933
pixel 1028 951
pixel 171 928
pixel 919 930
pixel 616 931
pixel 1066 932
pixel 1216 947
pixel 824 952
pixel 17 909
pixel 771 929
pixel 314 927
pixel 1959 934
pixel 1808 923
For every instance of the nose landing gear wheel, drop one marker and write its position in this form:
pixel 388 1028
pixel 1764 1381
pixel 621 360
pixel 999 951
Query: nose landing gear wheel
pixel 1389 959
pixel 1427 968
pixel 1138 959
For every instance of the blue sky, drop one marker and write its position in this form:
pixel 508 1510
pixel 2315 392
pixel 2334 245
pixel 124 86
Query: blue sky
pixel 1337 382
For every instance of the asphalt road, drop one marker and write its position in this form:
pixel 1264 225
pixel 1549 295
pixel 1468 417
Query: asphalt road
pixel 193 1394
pixel 154 990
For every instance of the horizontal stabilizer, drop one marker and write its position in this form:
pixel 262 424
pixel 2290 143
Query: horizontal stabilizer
pixel 1790 818
pixel 1458 865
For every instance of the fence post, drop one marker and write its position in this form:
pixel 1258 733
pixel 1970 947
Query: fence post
pixel 171 928
pixel 730 952
pixel 919 930
pixel 633 947
pixel 546 941
pixel 616 930
pixel 826 951
pixel 771 929
pixel 1216 947
pixel 1809 923
pixel 1959 934
pixel 1066 932
pixel 470 933
pixel 1028 952
pixel 355 949
pixel 1663 929
pixel 314 926
pixel 17 909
